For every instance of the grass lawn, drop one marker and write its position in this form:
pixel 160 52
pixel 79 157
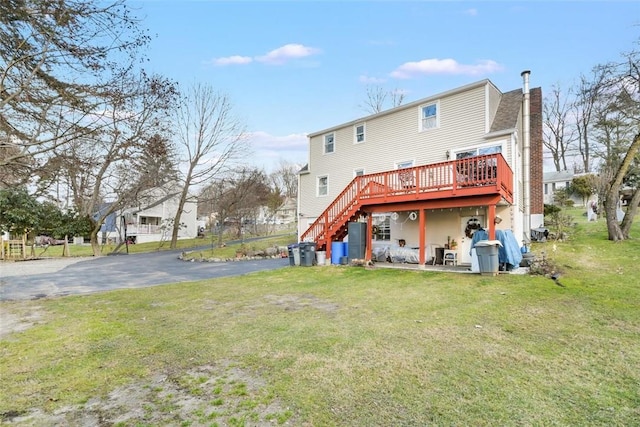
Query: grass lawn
pixel 337 346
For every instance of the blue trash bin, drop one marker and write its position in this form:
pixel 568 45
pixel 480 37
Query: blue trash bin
pixel 337 252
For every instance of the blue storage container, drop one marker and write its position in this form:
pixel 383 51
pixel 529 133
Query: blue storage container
pixel 337 251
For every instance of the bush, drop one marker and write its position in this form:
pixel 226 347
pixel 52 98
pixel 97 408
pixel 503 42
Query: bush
pixel 550 210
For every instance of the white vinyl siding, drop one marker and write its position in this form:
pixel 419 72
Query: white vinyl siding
pixel 392 138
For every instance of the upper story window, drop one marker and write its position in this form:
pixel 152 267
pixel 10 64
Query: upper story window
pixel 358 172
pixel 429 116
pixel 323 185
pixel 329 143
pixel 359 133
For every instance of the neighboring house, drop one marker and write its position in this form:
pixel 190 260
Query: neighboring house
pixel 553 181
pixel 428 172
pixel 152 219
pixel 285 214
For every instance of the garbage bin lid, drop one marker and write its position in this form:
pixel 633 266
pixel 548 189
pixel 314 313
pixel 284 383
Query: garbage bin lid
pixel 488 243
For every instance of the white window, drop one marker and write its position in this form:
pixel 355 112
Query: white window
pixel 323 185
pixel 429 116
pixel 358 172
pixel 381 227
pixel 359 133
pixel 479 151
pixel 404 165
pixel 546 189
pixel 329 143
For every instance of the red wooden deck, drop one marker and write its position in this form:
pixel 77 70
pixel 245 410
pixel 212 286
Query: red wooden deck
pixel 480 180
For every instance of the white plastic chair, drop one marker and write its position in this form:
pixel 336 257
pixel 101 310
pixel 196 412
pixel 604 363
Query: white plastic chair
pixel 450 256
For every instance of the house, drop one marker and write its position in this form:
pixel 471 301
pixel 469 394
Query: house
pixel 553 181
pixel 151 219
pixel 284 214
pixel 428 172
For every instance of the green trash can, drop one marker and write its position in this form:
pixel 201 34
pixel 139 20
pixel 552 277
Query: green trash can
pixel 487 252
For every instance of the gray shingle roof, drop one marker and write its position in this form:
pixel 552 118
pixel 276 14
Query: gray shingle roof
pixel 554 176
pixel 508 111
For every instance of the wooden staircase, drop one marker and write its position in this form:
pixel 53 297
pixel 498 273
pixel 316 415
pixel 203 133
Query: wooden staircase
pixel 469 177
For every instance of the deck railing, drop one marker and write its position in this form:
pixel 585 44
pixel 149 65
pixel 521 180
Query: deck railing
pixel 460 177
pixel 143 229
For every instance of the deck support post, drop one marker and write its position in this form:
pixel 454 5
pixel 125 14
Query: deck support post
pixel 492 223
pixel 422 236
pixel 369 237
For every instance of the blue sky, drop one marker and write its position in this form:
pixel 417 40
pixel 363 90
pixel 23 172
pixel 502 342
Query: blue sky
pixel 297 67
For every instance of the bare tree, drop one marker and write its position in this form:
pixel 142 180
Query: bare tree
pixel 235 198
pixel 376 98
pixel 621 94
pixel 588 94
pixel 397 97
pixel 559 132
pixel 52 54
pixel 104 171
pixel 209 137
pixel 285 178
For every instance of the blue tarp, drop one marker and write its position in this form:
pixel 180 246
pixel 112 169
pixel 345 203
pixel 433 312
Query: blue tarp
pixel 509 252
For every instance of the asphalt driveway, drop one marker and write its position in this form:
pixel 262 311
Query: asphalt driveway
pixel 117 272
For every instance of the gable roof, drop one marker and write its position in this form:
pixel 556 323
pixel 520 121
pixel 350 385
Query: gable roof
pixel 405 106
pixel 555 176
pixel 508 111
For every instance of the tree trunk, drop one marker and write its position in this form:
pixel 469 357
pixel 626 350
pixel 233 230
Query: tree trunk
pixel 613 227
pixel 65 248
pixel 632 209
pixel 176 218
pixel 95 244
pixel 612 195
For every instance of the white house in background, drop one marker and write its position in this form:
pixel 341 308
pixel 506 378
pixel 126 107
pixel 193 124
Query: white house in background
pixel 285 214
pixel 151 220
pixel 425 172
pixel 552 181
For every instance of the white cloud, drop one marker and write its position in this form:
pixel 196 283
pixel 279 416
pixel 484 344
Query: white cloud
pixel 471 12
pixel 275 57
pixel 371 80
pixel 265 141
pixel 270 150
pixel 232 60
pixel 287 52
pixel 444 66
